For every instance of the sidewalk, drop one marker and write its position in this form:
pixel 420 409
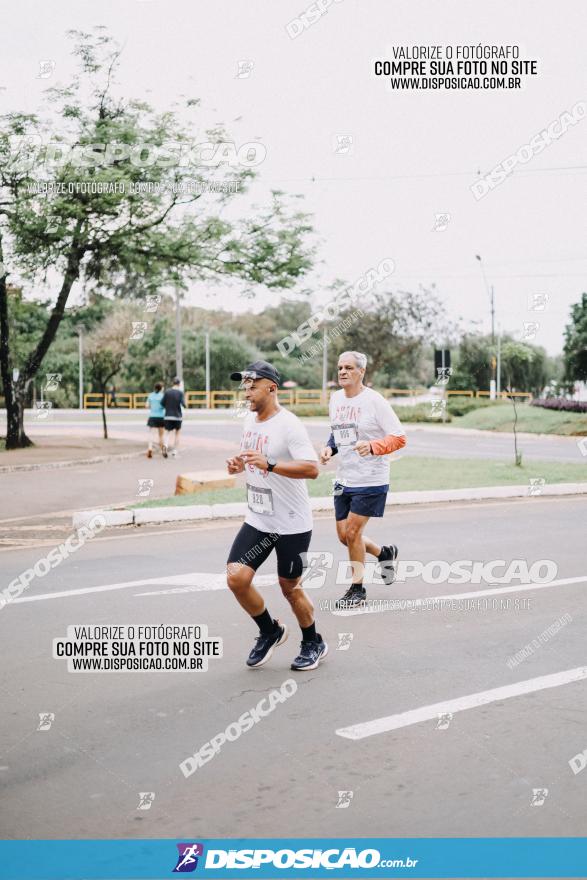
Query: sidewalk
pixel 62 451
pixel 237 510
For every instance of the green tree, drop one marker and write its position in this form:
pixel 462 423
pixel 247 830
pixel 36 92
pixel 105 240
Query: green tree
pixel 106 348
pixel 516 358
pixel 575 347
pixel 524 367
pixel 118 238
pixel 393 331
pixel 228 352
pixel 152 358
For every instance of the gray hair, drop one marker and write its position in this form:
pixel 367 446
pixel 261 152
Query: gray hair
pixel 360 359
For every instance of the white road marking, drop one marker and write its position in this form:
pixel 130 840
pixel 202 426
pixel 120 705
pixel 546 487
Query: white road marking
pixel 475 594
pixel 196 581
pixel 201 581
pixel 216 582
pixel 460 704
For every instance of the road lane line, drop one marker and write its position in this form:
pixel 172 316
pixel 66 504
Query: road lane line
pixel 177 580
pixel 202 581
pixel 475 594
pixel 219 583
pixel 196 581
pixel 460 704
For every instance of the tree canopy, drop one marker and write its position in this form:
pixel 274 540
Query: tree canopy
pixel 105 192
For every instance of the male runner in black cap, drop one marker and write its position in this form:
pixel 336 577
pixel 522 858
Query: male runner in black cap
pixel 277 456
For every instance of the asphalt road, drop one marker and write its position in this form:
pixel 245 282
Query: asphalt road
pixel 426 439
pixel 206 443
pixel 115 735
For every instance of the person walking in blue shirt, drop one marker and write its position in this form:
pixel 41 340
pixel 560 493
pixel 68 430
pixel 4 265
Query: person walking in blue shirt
pixel 156 421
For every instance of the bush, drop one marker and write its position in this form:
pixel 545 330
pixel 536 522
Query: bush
pixel 419 413
pixel 460 406
pixel 309 409
pixel 422 412
pixel 561 404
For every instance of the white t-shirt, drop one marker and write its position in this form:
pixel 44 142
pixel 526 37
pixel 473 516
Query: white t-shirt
pixel 368 416
pixel 277 504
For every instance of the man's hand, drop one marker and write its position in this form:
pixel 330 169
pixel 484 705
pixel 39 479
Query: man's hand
pixel 325 454
pixel 249 456
pixel 363 447
pixel 235 465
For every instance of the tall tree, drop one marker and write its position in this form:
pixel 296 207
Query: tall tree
pixel 575 347
pixel 524 367
pixel 122 199
pixel 106 348
pixel 392 331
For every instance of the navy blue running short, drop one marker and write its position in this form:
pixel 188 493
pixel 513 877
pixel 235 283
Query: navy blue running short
pixel 362 500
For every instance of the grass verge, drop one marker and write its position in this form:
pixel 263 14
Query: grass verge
pixel 413 473
pixel 533 419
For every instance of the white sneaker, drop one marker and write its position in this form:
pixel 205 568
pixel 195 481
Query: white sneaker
pixel 174 453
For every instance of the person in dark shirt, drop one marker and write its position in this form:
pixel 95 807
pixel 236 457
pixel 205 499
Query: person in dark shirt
pixel 172 402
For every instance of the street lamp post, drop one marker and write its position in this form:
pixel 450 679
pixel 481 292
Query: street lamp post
pixel 207 369
pixel 491 298
pixel 492 384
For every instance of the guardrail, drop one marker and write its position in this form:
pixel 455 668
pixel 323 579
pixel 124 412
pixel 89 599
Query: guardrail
pixel 122 400
pixel 398 392
pixel 290 397
pixel 504 394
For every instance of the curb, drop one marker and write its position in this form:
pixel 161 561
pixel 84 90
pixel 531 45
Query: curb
pixel 53 465
pixel 488 432
pixel 195 512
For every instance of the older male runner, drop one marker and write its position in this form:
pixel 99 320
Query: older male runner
pixel 277 457
pixel 364 430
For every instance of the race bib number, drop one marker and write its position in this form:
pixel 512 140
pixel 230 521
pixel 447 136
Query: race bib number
pixel 259 499
pixel 345 435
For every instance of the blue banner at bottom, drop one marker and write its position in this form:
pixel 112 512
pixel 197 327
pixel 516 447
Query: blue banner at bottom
pixel 297 857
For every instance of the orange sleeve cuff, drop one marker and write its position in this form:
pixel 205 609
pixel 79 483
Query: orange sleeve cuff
pixel 388 444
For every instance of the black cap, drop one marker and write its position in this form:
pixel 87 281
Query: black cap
pixel 258 370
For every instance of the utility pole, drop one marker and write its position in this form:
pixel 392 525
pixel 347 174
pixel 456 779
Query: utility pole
pixel 324 367
pixel 178 348
pixel 207 369
pixel 491 299
pixel 80 333
pixel 499 361
pixel 492 382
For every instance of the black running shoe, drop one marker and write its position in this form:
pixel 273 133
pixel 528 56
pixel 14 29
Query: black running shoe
pixel 311 654
pixel 387 559
pixel 353 597
pixel 265 644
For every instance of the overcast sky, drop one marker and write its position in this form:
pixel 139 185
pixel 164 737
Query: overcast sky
pixel 414 154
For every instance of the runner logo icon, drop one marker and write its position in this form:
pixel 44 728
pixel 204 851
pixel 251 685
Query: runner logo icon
pixel 316 565
pixel 187 859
